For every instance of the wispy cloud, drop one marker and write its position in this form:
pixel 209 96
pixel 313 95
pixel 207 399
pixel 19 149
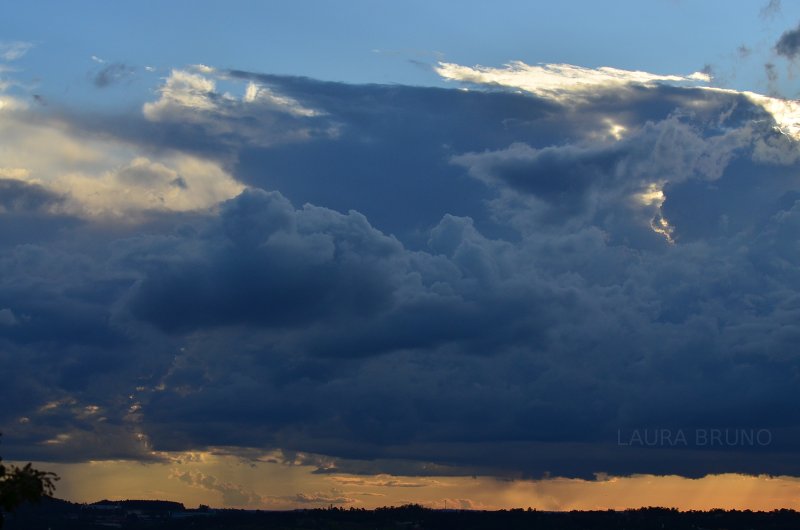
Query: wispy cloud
pixel 11 51
pixel 771 10
pixel 232 494
pixel 383 481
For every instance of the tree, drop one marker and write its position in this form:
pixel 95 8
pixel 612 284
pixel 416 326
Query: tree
pixel 23 484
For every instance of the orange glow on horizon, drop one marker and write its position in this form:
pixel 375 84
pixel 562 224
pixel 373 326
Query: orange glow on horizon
pixel 228 481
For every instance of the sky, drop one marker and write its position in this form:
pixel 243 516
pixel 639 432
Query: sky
pixel 283 255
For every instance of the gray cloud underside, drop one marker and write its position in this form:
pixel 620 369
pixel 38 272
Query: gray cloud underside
pixel 788 44
pixel 472 282
pixel 111 74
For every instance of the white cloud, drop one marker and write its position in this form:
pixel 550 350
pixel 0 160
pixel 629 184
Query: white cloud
pixel 785 112
pixel 8 103
pixel 204 69
pixel 261 95
pixel 562 82
pixel 188 96
pixel 100 176
pixel 11 51
pixel 176 183
pixel 569 83
pixel 182 91
pixel 258 117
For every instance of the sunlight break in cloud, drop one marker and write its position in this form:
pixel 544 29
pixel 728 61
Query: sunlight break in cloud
pixel 785 112
pixel 569 83
pixel 260 116
pixel 97 175
pixel 182 90
pixel 262 95
pixel 561 82
pixel 100 176
pixel 187 96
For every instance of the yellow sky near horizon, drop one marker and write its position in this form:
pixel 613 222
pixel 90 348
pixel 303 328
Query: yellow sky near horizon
pixel 230 481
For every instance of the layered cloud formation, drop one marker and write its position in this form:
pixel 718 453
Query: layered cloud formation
pixel 388 279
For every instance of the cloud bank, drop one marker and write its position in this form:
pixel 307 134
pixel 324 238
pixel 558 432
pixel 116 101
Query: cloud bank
pixel 406 279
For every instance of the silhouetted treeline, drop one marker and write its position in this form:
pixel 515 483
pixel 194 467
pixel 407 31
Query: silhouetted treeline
pixel 56 514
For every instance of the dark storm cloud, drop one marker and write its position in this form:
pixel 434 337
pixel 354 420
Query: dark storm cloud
pixel 599 183
pixel 523 314
pixel 431 126
pixel 788 44
pixel 271 266
pixel 18 196
pixel 112 74
pixel 523 383
pixel 31 213
pixel 357 131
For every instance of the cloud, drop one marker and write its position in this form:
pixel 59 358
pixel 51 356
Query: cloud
pixel 11 51
pixel 383 481
pixel 323 262
pixel 18 196
pixel 185 184
pixel 784 112
pixel 788 44
pixel 744 51
pixel 7 317
pixel 54 166
pixel 573 84
pixel 566 181
pixel 111 74
pixel 233 495
pixel 8 103
pixel 562 82
pixel 321 498
pixel 269 99
pixel 182 90
pixel 456 282
pixel 771 10
pixel 772 77
pixel 260 116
